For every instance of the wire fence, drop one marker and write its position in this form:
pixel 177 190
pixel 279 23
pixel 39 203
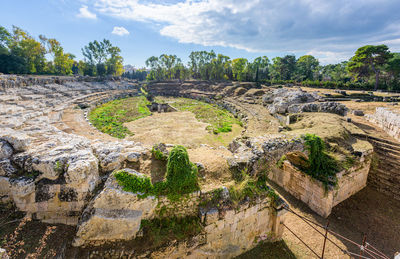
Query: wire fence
pixel 366 250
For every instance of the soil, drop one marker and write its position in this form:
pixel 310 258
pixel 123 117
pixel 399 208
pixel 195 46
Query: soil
pixel 73 121
pixel 180 128
pixel 367 212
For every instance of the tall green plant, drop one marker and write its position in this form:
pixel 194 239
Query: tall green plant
pixel 181 173
pixel 321 166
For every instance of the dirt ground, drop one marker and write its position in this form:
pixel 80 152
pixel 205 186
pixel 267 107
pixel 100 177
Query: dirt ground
pixel 73 121
pixel 177 128
pixel 367 212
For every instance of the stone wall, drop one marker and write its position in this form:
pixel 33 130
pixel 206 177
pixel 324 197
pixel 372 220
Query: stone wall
pixel 388 120
pixel 46 172
pixel 313 192
pixel 115 215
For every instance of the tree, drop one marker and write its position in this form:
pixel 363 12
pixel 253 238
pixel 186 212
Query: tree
pixel 168 63
pixel 104 57
pixel 393 70
pixel 239 68
pixel 306 66
pixel 62 62
pixel 4 40
pixel 368 60
pixel 261 68
pixel 155 69
pixel 114 62
pixel 26 48
pixel 283 68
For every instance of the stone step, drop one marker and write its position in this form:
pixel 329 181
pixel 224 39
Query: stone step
pixel 388 151
pixel 386 175
pixel 368 137
pixel 378 144
pixel 388 156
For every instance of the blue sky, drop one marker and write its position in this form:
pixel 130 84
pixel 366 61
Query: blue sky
pixel 328 29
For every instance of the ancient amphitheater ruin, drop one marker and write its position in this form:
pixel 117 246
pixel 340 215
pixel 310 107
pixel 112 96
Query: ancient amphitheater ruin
pixel 56 167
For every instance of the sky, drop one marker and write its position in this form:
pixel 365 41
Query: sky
pixel 330 30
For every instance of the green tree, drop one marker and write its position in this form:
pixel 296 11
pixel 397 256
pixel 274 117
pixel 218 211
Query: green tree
pixel 306 66
pixel 104 57
pixel 393 71
pixel 239 69
pixel 369 60
pixel 24 46
pixel 115 61
pixel 260 68
pixel 156 72
pixel 62 62
pixel 283 68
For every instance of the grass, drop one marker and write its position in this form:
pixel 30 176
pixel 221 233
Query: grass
pixel 109 117
pixel 220 120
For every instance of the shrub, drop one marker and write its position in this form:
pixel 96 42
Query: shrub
pixel 181 173
pixel 321 165
pixel 181 178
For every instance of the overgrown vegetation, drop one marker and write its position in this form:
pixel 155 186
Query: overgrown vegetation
pixel 181 178
pixel 279 164
pixel 109 117
pixel 321 165
pixel 158 154
pixel 159 231
pixel 249 188
pixel 220 120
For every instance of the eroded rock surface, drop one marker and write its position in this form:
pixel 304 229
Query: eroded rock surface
pixel 283 100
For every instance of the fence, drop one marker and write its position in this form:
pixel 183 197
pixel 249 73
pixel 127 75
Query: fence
pixel 366 250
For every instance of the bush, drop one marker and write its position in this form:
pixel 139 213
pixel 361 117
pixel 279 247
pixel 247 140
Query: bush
pixel 181 178
pixel 321 166
pixel 181 173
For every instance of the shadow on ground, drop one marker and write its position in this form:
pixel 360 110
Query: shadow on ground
pixel 368 213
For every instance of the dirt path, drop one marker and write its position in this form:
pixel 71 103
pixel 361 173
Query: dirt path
pixel 260 121
pixel 73 121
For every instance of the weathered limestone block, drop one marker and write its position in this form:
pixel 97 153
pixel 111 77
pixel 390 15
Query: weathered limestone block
pixel 6 168
pixel 106 225
pixel 23 192
pixel 17 139
pixel 6 150
pixel 313 193
pixel 112 197
pixel 239 231
pixel 388 120
pixel 5 189
pixel 83 171
pixel 111 207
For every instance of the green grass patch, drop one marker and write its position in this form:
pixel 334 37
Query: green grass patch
pixel 220 120
pixel 109 117
pixel 181 178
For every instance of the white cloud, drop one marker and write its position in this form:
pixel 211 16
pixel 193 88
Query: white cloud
pixel 120 31
pixel 85 13
pixel 334 29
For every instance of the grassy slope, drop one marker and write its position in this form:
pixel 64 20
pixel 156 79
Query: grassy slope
pixel 220 120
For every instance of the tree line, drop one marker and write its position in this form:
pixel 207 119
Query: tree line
pixel 21 53
pixel 371 67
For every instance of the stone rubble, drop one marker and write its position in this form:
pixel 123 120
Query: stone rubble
pixel 283 101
